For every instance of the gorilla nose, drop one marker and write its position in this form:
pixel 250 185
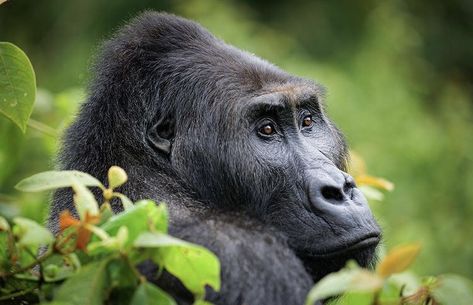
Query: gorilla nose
pixel 333 188
pixel 337 193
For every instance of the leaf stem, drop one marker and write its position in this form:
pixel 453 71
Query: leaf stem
pixel 27 267
pixel 41 127
pixel 17 294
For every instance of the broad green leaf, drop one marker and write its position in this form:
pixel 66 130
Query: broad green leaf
pixel 193 265
pixel 149 294
pixel 354 298
pixel 56 179
pixel 31 233
pixel 116 177
pixel 122 274
pixel 4 226
pixel 17 84
pixel 138 219
pixel 84 201
pixel 352 280
pixel 453 290
pixel 398 259
pixel 86 287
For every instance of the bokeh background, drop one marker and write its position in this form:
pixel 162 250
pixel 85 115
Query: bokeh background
pixel 400 85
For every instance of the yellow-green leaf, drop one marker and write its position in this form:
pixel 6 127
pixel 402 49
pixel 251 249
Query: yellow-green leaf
pixel 84 201
pixel 30 233
pixel 193 265
pixel 374 181
pixel 17 84
pixel 398 260
pixel 56 179
pixel 116 177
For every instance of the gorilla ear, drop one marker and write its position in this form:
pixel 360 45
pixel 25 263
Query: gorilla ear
pixel 161 136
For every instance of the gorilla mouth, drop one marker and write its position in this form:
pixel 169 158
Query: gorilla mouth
pixel 369 241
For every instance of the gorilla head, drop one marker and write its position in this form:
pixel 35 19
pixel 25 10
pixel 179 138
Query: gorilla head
pixel 242 152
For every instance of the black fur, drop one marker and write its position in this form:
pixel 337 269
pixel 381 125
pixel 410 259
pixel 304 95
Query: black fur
pixel 181 112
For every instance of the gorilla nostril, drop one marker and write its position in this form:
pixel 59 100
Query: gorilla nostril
pixel 332 193
pixel 348 187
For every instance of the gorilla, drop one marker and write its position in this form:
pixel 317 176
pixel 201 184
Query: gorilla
pixel 242 152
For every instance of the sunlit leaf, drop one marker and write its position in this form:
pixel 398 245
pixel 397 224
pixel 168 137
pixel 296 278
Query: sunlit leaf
pixel 126 202
pixel 398 259
pixel 109 245
pixel 375 182
pixel 84 201
pixel 17 84
pixel 357 164
pixel 31 233
pixel 149 294
pixel 194 265
pixel 86 287
pixel 56 179
pixel 4 226
pixel 139 218
pixel 453 290
pixel 116 177
pixel 346 280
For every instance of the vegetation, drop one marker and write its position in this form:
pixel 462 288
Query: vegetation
pixel 401 96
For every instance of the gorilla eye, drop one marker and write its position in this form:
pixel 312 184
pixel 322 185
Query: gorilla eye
pixel 267 129
pixel 307 121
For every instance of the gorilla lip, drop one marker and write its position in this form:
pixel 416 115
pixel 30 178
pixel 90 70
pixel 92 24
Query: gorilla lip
pixel 367 241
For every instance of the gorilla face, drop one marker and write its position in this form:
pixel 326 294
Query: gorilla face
pixel 273 154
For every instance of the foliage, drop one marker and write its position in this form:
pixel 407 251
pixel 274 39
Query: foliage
pixel 360 286
pixel 96 252
pixel 17 84
pixel 391 101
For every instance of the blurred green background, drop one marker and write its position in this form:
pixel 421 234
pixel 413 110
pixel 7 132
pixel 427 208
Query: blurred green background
pixel 400 85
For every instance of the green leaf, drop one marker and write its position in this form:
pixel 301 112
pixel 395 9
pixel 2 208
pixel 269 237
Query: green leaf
pixel 201 302
pixel 4 226
pixel 453 290
pixel 116 177
pixel 109 245
pixel 56 179
pixel 194 265
pixel 87 286
pixel 17 84
pixel 352 280
pixel 138 219
pixel 126 202
pixel 84 201
pixel 122 274
pixel 31 233
pixel 149 294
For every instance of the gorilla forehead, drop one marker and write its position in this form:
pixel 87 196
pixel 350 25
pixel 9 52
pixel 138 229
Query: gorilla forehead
pixel 188 65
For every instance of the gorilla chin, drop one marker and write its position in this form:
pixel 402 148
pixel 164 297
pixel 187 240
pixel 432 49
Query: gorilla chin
pixel 242 152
